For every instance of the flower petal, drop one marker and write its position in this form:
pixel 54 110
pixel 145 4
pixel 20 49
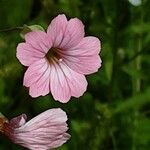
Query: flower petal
pixel 84 57
pixel 73 34
pixel 39 40
pixel 36 46
pixel 37 78
pixel 56 29
pixel 45 131
pixel 66 83
pixel 87 46
pixel 18 121
pixel 49 117
pixel 84 65
pixel 27 55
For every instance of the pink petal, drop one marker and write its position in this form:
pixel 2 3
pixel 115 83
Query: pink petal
pixel 83 58
pixel 56 29
pixel 45 131
pixel 73 34
pixel 27 54
pixel 37 78
pixel 18 121
pixel 66 83
pixel 49 117
pixel 88 46
pixel 39 40
pixel 84 65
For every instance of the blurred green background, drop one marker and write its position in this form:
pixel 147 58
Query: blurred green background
pixel 114 113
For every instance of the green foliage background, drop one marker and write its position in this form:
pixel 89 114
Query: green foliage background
pixel 114 112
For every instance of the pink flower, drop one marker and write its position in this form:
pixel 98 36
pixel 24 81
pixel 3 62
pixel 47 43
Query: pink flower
pixel 58 60
pixel 45 131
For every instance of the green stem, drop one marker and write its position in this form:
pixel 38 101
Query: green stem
pixel 113 140
pixel 137 81
pixel 11 29
pixel 114 44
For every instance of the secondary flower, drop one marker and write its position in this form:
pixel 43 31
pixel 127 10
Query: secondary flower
pixel 59 59
pixel 45 131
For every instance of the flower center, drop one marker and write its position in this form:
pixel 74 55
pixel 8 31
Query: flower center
pixel 53 54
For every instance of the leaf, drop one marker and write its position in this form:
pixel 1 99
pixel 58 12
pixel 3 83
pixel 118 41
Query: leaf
pixel 14 12
pixel 134 102
pixel 142 130
pixel 108 68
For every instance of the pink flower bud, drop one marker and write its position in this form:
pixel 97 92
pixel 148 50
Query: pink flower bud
pixel 45 131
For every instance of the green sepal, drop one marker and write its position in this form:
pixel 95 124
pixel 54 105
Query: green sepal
pixel 27 29
pixel 1 115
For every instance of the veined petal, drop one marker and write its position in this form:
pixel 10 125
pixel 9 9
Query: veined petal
pixel 34 72
pixel 36 46
pixel 18 121
pixel 56 29
pixel 39 40
pixel 59 86
pixel 66 83
pixel 83 58
pixel 27 55
pixel 84 65
pixel 73 34
pixel 37 78
pixel 53 116
pixel 77 82
pixel 86 47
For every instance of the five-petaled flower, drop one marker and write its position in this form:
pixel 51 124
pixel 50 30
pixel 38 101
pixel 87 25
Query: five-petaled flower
pixel 58 60
pixel 45 131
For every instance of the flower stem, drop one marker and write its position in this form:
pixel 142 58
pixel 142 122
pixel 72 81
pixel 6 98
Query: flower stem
pixel 137 81
pixel 11 29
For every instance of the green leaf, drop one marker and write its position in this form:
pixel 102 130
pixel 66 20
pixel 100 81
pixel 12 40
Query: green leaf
pixel 134 102
pixel 142 130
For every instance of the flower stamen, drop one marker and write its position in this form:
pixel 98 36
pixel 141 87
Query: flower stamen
pixel 52 54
